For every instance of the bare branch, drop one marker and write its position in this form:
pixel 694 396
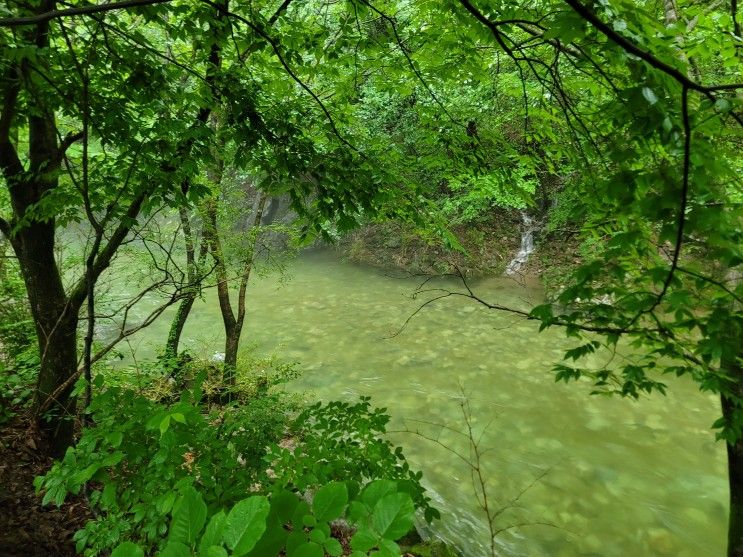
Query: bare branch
pixel 68 141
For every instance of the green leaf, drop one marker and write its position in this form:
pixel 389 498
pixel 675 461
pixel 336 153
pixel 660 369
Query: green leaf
pixel 178 417
pixel 317 535
pixel 309 549
pixel 333 547
pixel 388 548
pixel 189 515
pixel 329 501
pixel 214 531
pixel 393 515
pixel 357 511
pixel 127 549
pixel 246 522
pixel 175 549
pixel 164 424
pixel 284 504
pixel 376 490
pixel 364 540
pixel 214 551
pixel 649 95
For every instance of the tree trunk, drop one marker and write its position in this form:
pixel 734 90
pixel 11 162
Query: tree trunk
pixel 56 329
pixel 176 326
pixel 732 410
pixel 192 289
pixel 735 483
pixel 231 345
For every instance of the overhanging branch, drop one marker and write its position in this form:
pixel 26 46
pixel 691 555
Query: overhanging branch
pixel 70 12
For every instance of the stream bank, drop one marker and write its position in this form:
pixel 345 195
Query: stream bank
pixel 491 246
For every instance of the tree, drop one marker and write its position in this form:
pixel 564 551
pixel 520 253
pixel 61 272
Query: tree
pixel 127 166
pixel 663 203
pixel 637 107
pixel 146 80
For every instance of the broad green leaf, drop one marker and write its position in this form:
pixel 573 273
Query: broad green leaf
pixel 309 549
pixel 388 548
pixel 189 515
pixel 214 551
pixel 316 535
pixel 294 540
pixel 127 549
pixel 357 511
pixel 175 549
pixel 178 417
pixel 245 524
pixel 364 540
pixel 393 515
pixel 164 424
pixel 333 547
pixel 214 531
pixel 284 504
pixel 329 501
pixel 376 490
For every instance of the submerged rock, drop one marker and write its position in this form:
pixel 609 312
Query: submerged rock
pixel 661 542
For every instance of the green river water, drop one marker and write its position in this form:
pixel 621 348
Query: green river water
pixel 623 478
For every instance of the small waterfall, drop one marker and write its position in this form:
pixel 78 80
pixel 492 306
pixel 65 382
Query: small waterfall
pixel 527 245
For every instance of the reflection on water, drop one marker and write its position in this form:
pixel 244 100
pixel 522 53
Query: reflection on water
pixel 624 478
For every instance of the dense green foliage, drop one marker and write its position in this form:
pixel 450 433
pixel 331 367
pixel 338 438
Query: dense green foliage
pixel 620 119
pixel 145 463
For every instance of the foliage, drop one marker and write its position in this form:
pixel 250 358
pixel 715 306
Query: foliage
pixel 342 441
pixel 475 196
pixel 140 452
pixel 17 381
pixel 17 332
pixel 366 109
pixel 286 524
pixel 143 461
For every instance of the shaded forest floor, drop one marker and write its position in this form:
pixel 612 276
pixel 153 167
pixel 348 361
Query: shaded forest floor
pixel 26 528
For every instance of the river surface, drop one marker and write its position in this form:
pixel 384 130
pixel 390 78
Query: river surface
pixel 613 477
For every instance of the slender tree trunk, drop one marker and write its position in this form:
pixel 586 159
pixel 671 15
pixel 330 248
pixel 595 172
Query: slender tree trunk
pixel 177 325
pixel 223 288
pixel 231 346
pixel 192 289
pixel 233 324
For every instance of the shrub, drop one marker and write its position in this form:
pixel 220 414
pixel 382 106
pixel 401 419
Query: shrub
pixel 158 473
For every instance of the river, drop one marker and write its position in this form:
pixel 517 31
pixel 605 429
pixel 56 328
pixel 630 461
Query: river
pixel 618 477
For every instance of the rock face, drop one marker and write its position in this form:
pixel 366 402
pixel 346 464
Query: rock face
pixel 278 210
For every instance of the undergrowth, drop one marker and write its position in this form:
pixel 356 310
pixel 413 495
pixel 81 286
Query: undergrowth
pixel 171 469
